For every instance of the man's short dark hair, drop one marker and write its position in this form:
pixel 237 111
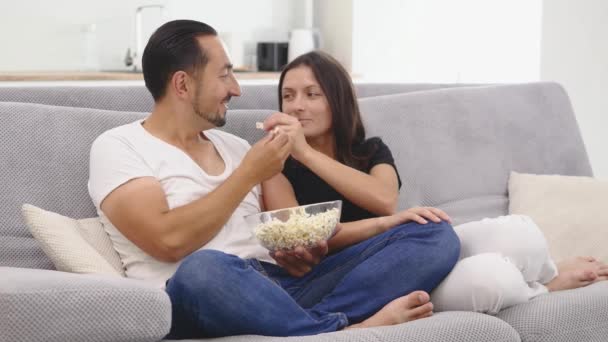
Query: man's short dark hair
pixel 173 47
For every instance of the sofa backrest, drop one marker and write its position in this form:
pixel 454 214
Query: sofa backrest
pixel 455 147
pixel 136 98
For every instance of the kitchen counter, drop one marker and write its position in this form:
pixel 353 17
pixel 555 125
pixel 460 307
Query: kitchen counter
pixel 109 76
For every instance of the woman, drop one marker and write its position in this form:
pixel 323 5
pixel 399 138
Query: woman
pixel 504 261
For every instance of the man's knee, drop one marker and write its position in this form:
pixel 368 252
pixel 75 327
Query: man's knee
pixel 200 271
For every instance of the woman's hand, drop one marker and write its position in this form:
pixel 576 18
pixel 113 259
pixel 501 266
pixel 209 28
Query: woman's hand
pixel 416 214
pixel 291 126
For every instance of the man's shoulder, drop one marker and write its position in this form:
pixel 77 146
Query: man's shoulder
pixel 119 133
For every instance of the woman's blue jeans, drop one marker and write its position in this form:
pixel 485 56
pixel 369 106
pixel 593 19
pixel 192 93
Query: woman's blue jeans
pixel 215 294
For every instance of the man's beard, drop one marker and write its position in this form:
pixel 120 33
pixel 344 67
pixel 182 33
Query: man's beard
pixel 214 118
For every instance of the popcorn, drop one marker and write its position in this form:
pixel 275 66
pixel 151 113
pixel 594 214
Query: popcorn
pixel 301 229
pixel 275 130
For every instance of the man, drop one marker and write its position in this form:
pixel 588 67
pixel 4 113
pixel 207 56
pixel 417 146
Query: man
pixel 172 192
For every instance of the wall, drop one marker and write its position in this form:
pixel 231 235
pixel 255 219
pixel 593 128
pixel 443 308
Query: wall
pixel 575 54
pixel 51 35
pixel 447 41
pixel 334 19
pixel 245 22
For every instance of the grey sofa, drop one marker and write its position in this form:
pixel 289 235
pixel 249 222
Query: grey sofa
pixel 454 147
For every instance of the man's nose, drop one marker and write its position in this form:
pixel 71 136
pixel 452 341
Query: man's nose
pixel 235 88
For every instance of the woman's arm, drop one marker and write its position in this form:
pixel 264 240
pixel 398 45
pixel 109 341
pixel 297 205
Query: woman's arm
pixel 376 192
pixel 354 232
pixel 277 193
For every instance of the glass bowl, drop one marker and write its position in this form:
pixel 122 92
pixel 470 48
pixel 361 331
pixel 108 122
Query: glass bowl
pixel 287 228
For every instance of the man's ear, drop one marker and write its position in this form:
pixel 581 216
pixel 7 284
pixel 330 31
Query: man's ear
pixel 182 84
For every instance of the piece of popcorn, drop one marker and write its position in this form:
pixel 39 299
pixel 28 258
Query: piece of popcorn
pixel 259 125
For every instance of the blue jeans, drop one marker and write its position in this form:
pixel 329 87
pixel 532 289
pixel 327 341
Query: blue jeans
pixel 215 294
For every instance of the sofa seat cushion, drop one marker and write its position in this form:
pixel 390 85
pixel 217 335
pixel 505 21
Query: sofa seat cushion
pixel 563 316
pixel 53 306
pixel 454 326
pixel 77 246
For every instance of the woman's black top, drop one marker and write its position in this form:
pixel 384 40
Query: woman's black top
pixel 310 188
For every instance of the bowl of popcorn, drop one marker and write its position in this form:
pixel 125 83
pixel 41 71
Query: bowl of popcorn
pixel 305 225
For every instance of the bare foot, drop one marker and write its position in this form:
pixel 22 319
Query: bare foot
pixel 578 272
pixel 410 307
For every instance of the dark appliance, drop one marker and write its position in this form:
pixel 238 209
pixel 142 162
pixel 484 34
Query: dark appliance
pixel 271 56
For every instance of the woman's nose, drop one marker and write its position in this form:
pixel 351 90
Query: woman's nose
pixel 298 103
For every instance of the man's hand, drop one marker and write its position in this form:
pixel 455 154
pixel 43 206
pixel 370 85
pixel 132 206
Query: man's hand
pixel 289 125
pixel 266 157
pixel 300 260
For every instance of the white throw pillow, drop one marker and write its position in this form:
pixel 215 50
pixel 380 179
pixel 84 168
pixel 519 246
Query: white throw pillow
pixel 78 246
pixel 571 211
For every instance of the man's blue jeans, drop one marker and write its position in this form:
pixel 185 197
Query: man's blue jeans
pixel 216 294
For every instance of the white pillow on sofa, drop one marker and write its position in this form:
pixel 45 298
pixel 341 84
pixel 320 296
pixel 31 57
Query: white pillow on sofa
pixel 78 246
pixel 571 211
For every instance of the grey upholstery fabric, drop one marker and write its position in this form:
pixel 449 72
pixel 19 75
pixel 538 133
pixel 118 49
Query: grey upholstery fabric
pixel 39 305
pixel 565 316
pixel 136 98
pixel 131 98
pixel 45 153
pixel 455 147
pixel 445 327
pixel 378 89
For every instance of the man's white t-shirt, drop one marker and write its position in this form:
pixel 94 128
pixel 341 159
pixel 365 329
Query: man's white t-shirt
pixel 129 152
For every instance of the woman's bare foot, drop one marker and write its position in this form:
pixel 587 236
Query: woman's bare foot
pixel 410 307
pixel 578 272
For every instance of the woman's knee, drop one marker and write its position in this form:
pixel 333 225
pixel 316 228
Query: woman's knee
pixel 446 240
pixel 481 283
pixel 515 236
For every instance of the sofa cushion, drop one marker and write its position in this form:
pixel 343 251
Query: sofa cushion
pixel 52 306
pixel 456 326
pixel 45 154
pixel 454 148
pixel 77 246
pixel 563 316
pixel 571 211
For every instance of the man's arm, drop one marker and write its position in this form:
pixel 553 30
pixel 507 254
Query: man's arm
pixel 139 208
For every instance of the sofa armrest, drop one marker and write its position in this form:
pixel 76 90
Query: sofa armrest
pixel 37 305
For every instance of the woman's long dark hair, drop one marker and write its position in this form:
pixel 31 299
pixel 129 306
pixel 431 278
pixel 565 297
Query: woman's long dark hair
pixel 339 91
